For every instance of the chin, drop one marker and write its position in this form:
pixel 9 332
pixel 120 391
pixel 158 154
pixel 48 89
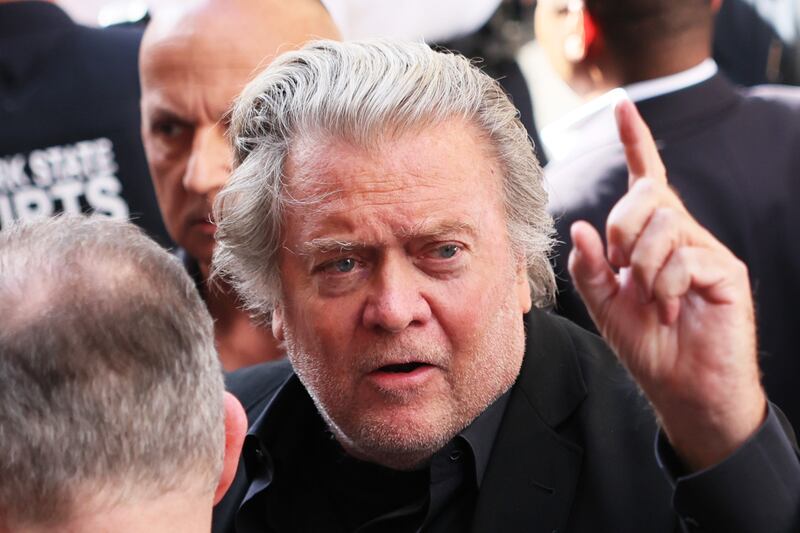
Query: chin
pixel 402 440
pixel 199 247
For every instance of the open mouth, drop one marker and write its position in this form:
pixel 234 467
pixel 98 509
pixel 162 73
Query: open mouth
pixel 402 368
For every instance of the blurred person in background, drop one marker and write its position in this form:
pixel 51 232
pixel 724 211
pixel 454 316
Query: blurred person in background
pixel 195 59
pixel 732 154
pixel 69 120
pixel 489 31
pixel 113 415
pixel 758 41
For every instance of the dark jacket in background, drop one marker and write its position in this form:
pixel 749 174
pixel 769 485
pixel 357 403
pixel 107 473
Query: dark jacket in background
pixel 747 44
pixel 733 156
pixel 69 119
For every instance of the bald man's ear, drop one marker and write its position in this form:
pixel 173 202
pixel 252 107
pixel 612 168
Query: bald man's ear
pixel 235 431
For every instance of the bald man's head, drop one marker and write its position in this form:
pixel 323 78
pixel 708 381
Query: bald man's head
pixel 195 59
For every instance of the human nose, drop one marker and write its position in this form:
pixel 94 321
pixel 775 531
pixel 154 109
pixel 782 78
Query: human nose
pixel 396 301
pixel 209 162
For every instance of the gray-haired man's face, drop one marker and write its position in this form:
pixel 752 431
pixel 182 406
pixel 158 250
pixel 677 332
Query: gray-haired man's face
pixel 402 301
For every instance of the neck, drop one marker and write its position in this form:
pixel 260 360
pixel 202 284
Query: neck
pixel 168 513
pixel 605 74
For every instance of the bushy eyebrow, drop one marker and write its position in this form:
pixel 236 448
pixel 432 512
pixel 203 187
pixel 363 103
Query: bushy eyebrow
pixel 434 229
pixel 162 114
pixel 424 230
pixel 325 245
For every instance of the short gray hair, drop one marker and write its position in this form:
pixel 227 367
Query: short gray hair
pixel 362 92
pixel 109 379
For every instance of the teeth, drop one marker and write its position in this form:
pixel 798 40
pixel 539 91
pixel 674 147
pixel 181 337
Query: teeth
pixel 401 368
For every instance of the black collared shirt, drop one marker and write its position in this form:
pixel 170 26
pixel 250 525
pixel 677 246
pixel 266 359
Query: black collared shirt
pixel 301 480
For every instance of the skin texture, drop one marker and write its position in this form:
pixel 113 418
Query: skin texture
pixel 679 312
pixel 191 71
pixel 407 259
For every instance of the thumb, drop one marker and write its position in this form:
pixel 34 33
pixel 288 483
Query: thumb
pixel 590 271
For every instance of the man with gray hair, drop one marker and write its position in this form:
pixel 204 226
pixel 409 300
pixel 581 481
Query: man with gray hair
pixel 113 415
pixel 387 212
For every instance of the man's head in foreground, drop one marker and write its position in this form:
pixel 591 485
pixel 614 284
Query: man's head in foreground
pixel 195 59
pixel 387 208
pixel 111 394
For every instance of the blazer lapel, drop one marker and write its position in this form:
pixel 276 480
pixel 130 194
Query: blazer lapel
pixel 533 471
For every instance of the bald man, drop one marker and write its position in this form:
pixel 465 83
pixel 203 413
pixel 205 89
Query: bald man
pixel 194 60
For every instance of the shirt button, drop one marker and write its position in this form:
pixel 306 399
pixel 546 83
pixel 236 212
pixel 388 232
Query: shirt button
pixel 455 456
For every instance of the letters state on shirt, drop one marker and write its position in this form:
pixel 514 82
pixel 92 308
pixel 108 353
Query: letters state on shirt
pixel 71 178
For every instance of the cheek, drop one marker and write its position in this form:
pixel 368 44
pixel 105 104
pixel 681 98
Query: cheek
pixel 168 183
pixel 328 325
pixel 465 308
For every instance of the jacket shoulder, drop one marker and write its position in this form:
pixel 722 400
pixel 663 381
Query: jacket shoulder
pixel 254 386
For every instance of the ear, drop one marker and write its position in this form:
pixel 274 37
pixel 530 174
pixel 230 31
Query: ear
pixel 235 431
pixel 277 323
pixel 523 286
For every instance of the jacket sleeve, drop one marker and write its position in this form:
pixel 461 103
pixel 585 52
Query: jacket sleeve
pixel 755 490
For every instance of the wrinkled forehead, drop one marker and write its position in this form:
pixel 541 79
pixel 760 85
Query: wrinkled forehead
pixel 218 37
pixel 452 157
pixel 204 52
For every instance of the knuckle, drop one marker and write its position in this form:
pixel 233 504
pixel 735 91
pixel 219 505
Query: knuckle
pixel 644 257
pixel 664 218
pixel 647 186
pixel 682 255
pixel 620 237
pixel 741 267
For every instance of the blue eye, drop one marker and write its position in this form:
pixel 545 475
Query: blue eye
pixel 447 251
pixel 344 265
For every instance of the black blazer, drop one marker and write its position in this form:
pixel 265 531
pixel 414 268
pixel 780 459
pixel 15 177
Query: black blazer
pixel 733 155
pixel 575 453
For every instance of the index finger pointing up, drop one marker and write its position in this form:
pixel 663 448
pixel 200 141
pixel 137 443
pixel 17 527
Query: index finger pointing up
pixel 640 148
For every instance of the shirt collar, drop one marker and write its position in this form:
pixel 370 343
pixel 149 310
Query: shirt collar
pixel 644 90
pixel 481 433
pixel 276 430
pixel 595 119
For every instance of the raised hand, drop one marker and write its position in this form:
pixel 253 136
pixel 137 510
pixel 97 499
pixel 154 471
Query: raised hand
pixel 678 313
